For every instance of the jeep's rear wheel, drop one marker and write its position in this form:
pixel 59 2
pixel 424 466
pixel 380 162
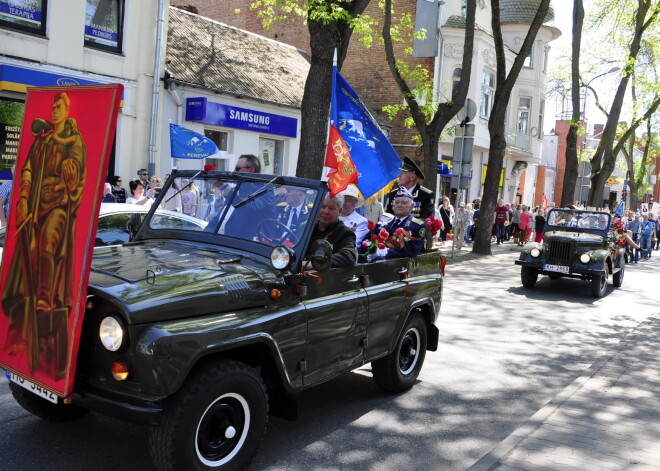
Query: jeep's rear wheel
pixel 599 285
pixel 216 422
pixel 398 371
pixel 617 278
pixel 529 275
pixel 44 409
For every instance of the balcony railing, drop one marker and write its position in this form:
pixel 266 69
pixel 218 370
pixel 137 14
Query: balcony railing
pixel 518 139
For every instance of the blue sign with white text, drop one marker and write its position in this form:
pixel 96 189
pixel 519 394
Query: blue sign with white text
pixel 201 110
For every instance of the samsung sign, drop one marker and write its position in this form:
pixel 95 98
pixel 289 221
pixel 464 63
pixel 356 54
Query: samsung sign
pixel 201 110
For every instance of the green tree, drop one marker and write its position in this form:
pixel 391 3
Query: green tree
pixel 331 24
pixel 634 17
pixel 496 128
pixel 429 116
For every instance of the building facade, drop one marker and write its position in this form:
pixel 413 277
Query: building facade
pixel 70 42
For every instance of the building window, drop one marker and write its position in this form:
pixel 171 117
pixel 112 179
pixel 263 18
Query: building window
pixel 529 60
pixel 271 153
pixel 463 8
pixel 541 110
pixel 524 106
pixel 103 24
pixel 11 118
pixel 455 80
pixel 487 93
pixel 24 15
pixel 221 139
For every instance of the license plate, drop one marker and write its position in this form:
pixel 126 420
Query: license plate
pixel 557 268
pixel 30 386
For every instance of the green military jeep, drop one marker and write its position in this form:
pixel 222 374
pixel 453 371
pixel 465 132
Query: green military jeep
pixel 202 330
pixel 576 244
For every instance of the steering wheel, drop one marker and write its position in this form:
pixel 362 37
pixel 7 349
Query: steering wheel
pixel 274 226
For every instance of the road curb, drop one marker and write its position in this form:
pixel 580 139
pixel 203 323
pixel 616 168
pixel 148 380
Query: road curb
pixel 500 452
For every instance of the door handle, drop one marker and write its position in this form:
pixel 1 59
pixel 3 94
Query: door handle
pixel 353 279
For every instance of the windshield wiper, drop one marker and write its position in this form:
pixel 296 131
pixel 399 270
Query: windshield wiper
pixel 256 194
pixel 186 186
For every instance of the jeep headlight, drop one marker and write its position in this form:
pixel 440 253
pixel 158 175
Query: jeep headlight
pixel 585 258
pixel 281 258
pixel 111 333
pixel 535 252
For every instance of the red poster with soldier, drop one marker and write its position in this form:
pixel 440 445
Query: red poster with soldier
pixel 61 166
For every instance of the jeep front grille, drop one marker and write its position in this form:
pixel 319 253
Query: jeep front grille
pixel 559 252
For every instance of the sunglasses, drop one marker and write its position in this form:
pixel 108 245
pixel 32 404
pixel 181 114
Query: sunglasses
pixel 144 174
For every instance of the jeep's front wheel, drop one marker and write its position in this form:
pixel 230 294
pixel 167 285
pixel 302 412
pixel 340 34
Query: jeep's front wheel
pixel 398 371
pixel 599 285
pixel 528 276
pixel 216 422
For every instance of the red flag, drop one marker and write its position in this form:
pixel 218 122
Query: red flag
pixel 338 158
pixel 545 202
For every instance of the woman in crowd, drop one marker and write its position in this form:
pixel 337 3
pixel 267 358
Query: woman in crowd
pixel 539 225
pixel 155 185
pixel 118 192
pixel 137 192
pixel 468 229
pixel 188 198
pixel 515 223
pixel 172 199
pixel 446 211
pixel 524 223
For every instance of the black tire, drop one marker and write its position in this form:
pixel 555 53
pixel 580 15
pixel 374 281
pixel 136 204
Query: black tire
pixel 398 371
pixel 44 409
pixel 228 397
pixel 529 275
pixel 617 278
pixel 599 285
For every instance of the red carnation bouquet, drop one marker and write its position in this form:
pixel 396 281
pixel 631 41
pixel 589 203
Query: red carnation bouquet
pixel 433 225
pixel 377 240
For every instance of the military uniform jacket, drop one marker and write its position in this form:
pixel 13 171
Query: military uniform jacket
pixel 284 213
pixel 416 228
pixel 423 199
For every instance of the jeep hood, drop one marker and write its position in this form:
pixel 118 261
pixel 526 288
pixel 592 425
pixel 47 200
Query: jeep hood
pixel 155 281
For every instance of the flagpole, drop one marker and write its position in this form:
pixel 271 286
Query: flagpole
pixel 324 175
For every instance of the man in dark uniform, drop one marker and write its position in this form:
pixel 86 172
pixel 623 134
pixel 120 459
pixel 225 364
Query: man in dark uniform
pixel 294 212
pixel 330 228
pixel 408 244
pixel 423 198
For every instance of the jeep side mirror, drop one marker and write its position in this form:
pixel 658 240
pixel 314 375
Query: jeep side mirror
pixel 320 254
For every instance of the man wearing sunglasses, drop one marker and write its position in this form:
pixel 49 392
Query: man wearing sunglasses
pixel 143 175
pixel 248 163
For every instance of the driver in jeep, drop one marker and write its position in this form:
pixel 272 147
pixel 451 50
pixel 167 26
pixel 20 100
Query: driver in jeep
pixel 330 228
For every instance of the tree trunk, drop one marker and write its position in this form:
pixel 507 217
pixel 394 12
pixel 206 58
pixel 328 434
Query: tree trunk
pixel 325 36
pixel 570 175
pixel 503 89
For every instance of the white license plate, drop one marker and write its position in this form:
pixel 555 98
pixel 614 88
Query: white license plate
pixel 30 386
pixel 557 268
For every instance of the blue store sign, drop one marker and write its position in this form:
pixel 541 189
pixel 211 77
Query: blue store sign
pixel 203 111
pixel 18 79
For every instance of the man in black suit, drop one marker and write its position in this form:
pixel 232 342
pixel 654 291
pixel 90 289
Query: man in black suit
pixel 408 244
pixel 423 198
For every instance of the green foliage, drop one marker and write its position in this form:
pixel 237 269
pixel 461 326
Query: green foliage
pixel 11 112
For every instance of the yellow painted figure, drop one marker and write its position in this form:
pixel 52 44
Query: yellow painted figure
pixel 38 297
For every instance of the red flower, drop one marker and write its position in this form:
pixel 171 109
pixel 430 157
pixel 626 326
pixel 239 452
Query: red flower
pixel 398 231
pixel 374 237
pixel 381 246
pixel 209 167
pixel 384 233
pixel 365 244
pixel 371 225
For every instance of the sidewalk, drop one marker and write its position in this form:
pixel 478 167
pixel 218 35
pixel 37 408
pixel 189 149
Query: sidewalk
pixel 607 419
pixel 466 254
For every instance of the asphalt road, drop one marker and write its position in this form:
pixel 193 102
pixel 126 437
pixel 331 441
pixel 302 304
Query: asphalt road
pixel 505 351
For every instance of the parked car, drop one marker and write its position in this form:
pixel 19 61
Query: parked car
pixel 576 244
pixel 202 332
pixel 119 221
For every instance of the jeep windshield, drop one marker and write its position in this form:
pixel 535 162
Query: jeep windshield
pixel 256 208
pixel 570 218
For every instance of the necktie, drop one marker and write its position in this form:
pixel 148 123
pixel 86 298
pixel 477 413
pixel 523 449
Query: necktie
pixel 294 219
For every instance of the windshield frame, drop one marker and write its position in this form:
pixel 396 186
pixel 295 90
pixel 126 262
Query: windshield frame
pixel 145 232
pixel 580 215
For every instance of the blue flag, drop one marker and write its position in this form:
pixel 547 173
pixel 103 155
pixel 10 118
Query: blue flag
pixel 187 144
pixel 619 210
pixel 375 160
